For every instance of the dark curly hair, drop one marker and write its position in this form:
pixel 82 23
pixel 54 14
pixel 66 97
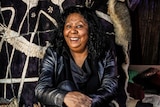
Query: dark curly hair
pixel 98 41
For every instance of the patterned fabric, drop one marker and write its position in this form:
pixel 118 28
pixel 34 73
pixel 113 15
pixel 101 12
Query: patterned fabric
pixel 26 27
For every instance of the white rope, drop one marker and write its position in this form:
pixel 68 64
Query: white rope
pixel 21 44
pixel 27 61
pixel 17 80
pixel 2 40
pixel 104 16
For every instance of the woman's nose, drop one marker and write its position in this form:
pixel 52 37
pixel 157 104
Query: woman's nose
pixel 74 30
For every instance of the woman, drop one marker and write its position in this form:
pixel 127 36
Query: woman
pixel 79 69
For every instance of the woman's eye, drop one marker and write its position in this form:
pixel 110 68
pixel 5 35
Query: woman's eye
pixel 79 26
pixel 68 26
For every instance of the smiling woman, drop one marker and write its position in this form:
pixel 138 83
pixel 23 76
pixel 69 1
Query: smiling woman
pixel 79 69
pixel 76 35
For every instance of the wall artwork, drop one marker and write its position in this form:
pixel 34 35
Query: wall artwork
pixel 26 26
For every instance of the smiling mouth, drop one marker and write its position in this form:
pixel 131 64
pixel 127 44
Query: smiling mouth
pixel 74 38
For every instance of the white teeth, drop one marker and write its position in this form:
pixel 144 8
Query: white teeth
pixel 74 38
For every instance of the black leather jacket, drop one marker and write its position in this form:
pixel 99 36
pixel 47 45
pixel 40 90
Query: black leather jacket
pixel 53 84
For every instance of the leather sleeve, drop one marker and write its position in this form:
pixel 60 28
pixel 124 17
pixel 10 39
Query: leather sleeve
pixel 109 81
pixel 45 90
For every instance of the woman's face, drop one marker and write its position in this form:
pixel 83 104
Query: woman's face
pixel 76 32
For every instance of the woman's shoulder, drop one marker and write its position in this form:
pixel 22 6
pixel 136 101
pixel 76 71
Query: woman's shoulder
pixel 50 51
pixel 53 52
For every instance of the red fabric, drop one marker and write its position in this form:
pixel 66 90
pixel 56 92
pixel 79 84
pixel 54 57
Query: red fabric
pixel 136 91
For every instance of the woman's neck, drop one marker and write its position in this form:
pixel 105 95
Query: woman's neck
pixel 79 57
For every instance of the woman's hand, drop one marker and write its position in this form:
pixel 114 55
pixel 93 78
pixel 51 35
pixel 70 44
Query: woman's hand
pixel 77 99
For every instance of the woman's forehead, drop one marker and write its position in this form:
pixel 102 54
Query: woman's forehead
pixel 76 17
